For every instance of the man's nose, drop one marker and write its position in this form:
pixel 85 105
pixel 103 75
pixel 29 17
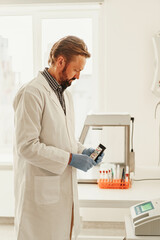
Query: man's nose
pixel 77 75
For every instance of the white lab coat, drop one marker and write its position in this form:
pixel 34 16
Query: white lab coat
pixel 45 185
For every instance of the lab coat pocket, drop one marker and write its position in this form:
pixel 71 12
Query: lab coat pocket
pixel 47 189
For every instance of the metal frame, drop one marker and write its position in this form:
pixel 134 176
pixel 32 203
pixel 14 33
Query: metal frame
pixel 109 120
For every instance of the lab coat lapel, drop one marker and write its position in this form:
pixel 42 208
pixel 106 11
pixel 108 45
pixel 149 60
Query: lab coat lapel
pixel 49 90
pixel 67 114
pixel 70 120
pixel 67 104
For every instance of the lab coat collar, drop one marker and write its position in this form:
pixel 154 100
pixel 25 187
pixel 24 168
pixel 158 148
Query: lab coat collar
pixel 43 81
pixel 52 94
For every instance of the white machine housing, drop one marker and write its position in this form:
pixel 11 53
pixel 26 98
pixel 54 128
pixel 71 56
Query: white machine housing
pixel 100 120
pixel 146 218
pixel 109 119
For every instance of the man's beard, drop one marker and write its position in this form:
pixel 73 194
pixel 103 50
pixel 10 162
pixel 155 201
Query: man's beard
pixel 65 82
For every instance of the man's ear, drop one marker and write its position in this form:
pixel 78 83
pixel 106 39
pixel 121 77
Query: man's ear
pixel 61 62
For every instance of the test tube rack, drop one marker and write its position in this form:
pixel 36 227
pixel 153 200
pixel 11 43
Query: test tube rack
pixel 114 184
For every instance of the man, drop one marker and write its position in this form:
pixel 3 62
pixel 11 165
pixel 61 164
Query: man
pixel 46 153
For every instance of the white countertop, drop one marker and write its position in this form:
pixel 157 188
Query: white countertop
pixel 90 195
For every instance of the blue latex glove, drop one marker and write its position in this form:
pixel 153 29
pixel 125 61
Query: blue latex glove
pixel 82 162
pixel 89 151
pixel 100 158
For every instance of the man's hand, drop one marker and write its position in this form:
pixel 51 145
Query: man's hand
pixel 82 162
pixel 89 151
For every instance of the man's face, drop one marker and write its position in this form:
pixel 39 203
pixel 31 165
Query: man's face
pixel 71 71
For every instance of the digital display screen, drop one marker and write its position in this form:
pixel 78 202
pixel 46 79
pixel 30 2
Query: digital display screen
pixel 146 206
pixel 95 153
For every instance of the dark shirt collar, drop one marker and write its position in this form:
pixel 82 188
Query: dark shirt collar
pixel 52 81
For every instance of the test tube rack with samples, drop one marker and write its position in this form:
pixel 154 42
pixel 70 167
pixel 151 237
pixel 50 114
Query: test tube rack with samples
pixel 114 178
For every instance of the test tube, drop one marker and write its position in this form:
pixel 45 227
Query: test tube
pixel 127 174
pixel 109 175
pixel 100 175
pixel 118 171
pixel 115 172
pixel 104 175
pixel 123 175
pixel 112 175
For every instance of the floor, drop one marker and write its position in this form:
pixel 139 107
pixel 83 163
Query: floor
pixel 90 230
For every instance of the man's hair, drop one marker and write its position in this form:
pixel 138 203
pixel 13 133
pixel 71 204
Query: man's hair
pixel 68 47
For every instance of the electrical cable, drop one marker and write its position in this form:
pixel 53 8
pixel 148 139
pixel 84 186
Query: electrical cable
pixel 132 119
pixel 159 129
pixel 156 109
pixel 159 145
pixel 146 179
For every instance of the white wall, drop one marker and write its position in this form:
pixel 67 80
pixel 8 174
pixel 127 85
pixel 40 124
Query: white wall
pixel 129 69
pixel 6 193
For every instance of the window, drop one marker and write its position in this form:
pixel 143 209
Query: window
pixel 25 41
pixel 15 69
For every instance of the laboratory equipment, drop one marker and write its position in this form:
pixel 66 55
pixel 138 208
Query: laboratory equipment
pixel 110 180
pixel 127 174
pixel 110 120
pixel 156 81
pixel 99 121
pixel 145 218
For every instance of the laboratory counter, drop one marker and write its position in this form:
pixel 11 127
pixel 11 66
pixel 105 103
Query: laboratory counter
pixel 91 196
